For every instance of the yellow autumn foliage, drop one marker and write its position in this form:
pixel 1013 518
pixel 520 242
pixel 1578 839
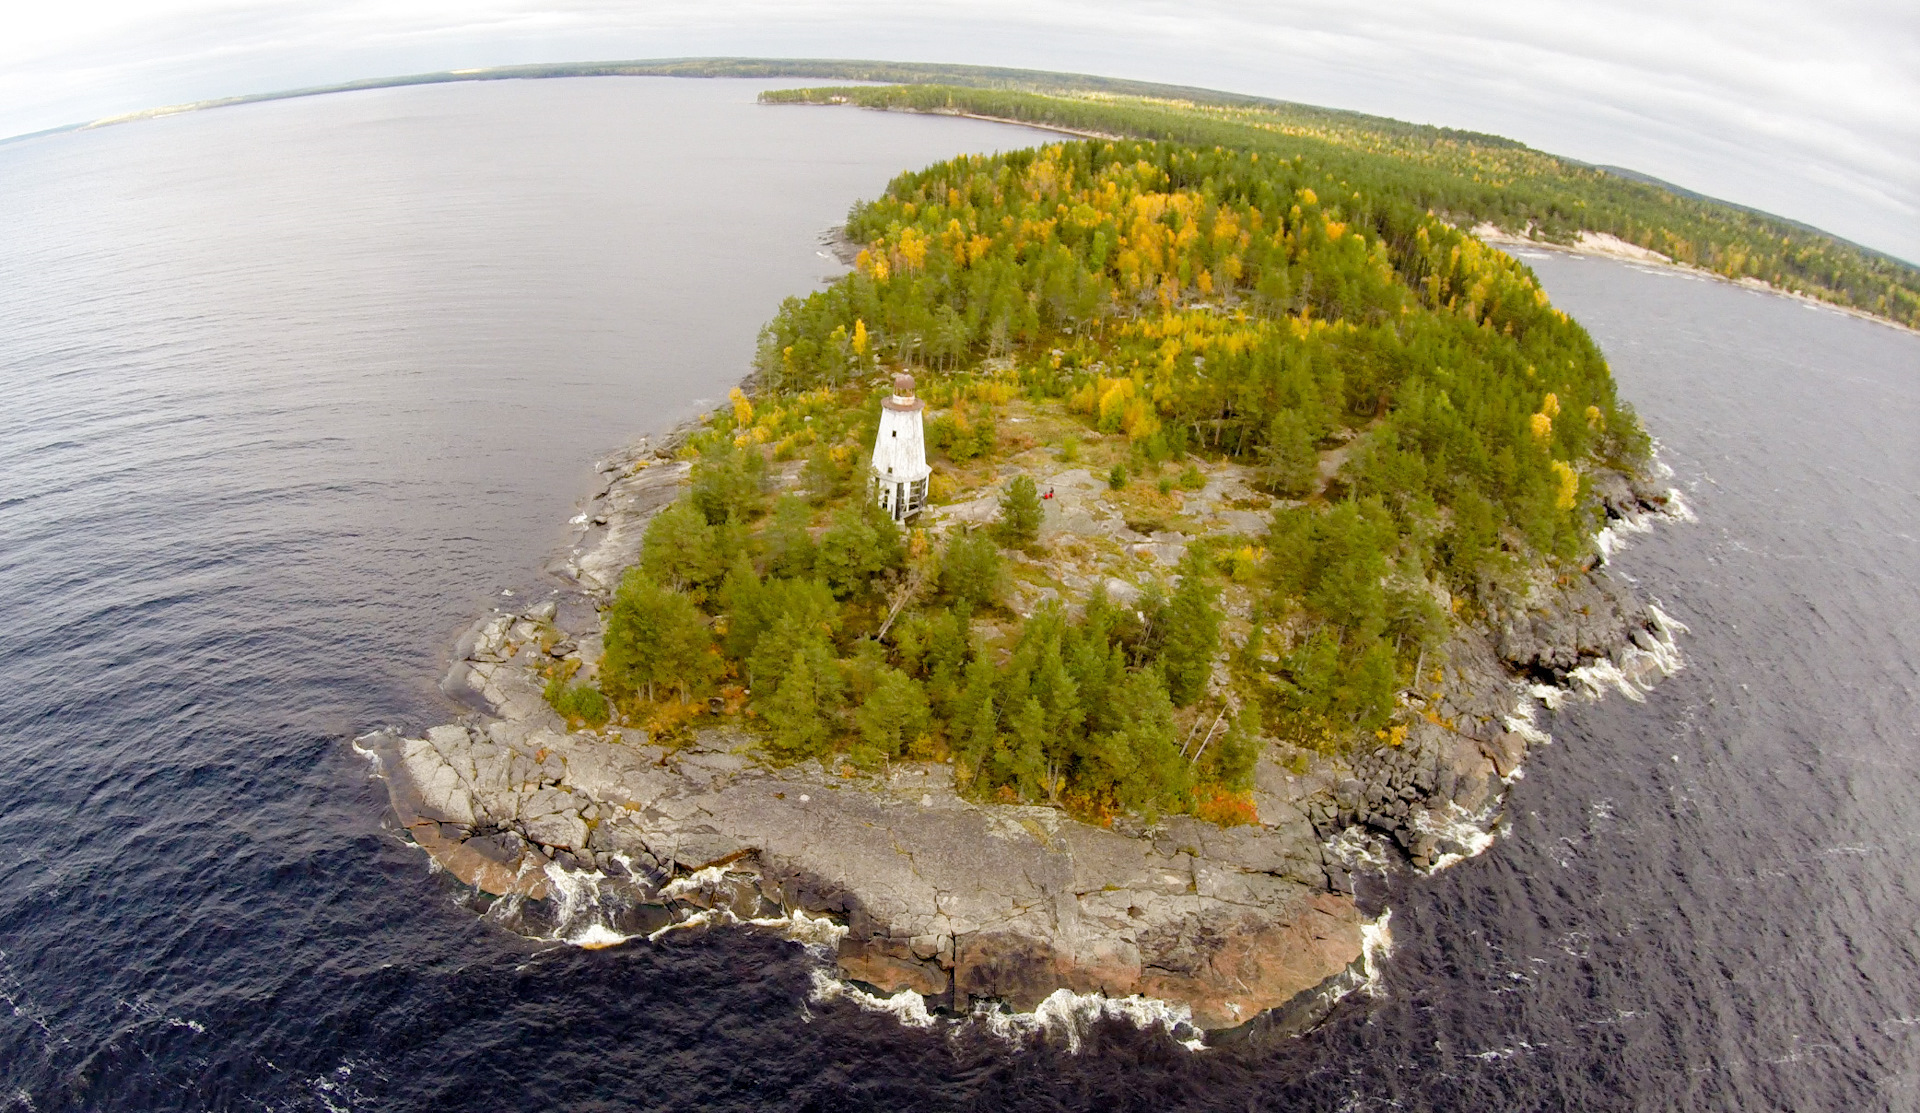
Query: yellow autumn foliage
pixel 1569 485
pixel 1243 564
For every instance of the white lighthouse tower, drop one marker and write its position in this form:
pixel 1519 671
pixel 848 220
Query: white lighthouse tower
pixel 900 468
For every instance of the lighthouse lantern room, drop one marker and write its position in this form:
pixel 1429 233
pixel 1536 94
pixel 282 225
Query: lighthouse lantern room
pixel 900 468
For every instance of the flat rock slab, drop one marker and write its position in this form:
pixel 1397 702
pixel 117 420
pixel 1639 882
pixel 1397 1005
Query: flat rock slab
pixel 939 894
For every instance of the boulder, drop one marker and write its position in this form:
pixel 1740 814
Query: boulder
pixel 562 829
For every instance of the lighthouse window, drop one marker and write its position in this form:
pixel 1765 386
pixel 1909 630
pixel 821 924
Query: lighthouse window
pixel 896 432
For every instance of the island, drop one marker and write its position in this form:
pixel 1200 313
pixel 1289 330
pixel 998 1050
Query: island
pixel 1136 538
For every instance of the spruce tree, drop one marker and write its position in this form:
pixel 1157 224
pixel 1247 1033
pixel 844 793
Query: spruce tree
pixel 1021 759
pixel 1190 632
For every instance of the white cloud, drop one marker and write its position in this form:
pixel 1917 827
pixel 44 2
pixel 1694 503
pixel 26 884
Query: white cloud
pixel 1805 109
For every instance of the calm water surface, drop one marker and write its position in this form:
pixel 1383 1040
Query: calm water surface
pixel 293 391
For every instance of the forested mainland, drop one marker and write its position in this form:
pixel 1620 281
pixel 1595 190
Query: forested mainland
pixel 1467 178
pixel 1410 422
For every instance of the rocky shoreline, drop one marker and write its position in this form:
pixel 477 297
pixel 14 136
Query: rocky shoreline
pixel 601 836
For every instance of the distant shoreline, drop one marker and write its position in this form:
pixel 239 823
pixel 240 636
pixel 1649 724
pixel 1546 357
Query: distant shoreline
pixel 841 70
pixel 871 72
pixel 1601 245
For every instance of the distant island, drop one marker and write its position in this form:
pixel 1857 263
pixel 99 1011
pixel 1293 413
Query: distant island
pixel 1469 178
pixel 1136 530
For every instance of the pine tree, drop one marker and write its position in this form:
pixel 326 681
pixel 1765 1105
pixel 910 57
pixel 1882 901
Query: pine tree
pixel 894 714
pixel 795 627
pixel 798 729
pixel 1292 461
pixel 1020 512
pixel 972 572
pixel 743 600
pixel 1139 759
pixel 680 550
pixel 789 545
pixel 656 638
pixel 861 543
pixel 728 480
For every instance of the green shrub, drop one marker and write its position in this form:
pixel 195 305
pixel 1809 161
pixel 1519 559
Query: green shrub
pixel 578 701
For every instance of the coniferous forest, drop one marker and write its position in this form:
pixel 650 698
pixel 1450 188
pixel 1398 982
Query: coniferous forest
pixel 1422 421
pixel 1467 178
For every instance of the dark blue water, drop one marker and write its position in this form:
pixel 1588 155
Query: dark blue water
pixel 289 392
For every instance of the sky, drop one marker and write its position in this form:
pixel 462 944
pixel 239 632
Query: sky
pixel 1805 108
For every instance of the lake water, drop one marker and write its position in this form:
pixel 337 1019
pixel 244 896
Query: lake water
pixel 293 391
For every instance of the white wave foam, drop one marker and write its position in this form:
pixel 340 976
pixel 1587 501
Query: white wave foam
pixel 698 920
pixel 1503 1052
pixel 579 916
pixel 698 883
pixel 1640 667
pixel 817 933
pixel 1455 824
pixel 378 768
pixel 1614 538
pixel 1359 848
pixel 1376 944
pixel 1520 720
pixel 1066 1016
pixel 906 1006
